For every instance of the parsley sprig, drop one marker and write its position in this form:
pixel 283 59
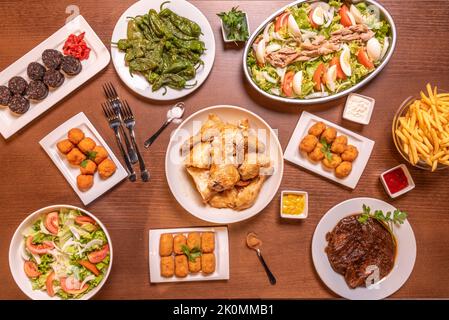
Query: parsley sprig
pixel 235 24
pixel 193 254
pixel 326 149
pixel 389 218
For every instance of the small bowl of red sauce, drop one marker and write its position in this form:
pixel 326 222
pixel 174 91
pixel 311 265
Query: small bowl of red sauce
pixel 397 181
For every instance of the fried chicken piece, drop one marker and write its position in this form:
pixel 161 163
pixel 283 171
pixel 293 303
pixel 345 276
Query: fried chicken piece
pixel 223 177
pixel 199 156
pixel 201 179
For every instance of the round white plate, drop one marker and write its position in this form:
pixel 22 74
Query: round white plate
pixel 181 184
pixel 137 83
pixel 405 257
pixel 16 261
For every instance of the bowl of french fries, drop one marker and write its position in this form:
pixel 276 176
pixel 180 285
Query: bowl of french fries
pixel 421 129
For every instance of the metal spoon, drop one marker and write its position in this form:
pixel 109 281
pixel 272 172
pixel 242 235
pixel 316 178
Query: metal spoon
pixel 255 245
pixel 174 113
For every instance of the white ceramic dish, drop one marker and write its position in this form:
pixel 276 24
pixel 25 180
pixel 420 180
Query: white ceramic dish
pixel 71 172
pixel 411 183
pixel 98 59
pixel 223 29
pixel 137 83
pixel 305 212
pixel 404 262
pixel 364 145
pixel 362 120
pixel 221 255
pixel 181 184
pixel 16 261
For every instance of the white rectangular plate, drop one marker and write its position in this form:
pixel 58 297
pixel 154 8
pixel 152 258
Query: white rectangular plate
pixel 364 145
pixel 221 255
pixel 98 59
pixel 69 171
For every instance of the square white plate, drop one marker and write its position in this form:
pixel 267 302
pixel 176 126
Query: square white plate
pixel 98 59
pixel 221 255
pixel 364 145
pixel 69 171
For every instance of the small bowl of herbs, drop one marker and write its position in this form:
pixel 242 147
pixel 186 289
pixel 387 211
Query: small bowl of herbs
pixel 234 25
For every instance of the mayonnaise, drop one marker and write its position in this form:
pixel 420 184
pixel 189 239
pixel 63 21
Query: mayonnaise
pixel 358 108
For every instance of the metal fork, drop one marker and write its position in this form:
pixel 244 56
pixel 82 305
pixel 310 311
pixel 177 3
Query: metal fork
pixel 114 100
pixel 114 123
pixel 130 123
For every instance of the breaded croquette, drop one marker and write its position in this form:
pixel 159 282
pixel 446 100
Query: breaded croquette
pixel 85 181
pixel 75 157
pixel 167 266
pixel 308 143
pixel 194 240
pixel 207 242
pixel 208 263
pixel 339 144
pixel 329 135
pixel 178 242
pixel 333 162
pixel 166 244
pixel 195 266
pixel 317 154
pixel 106 168
pixel 350 154
pixel 86 145
pixel 317 129
pixel 65 146
pixel 343 170
pixel 181 266
pixel 75 135
pixel 88 167
pixel 100 154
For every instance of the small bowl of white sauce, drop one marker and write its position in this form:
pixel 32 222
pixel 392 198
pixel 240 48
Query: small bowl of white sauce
pixel 359 108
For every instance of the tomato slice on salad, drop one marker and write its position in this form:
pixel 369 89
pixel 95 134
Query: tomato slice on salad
pixel 49 284
pixel 345 19
pixel 84 219
pixel 340 74
pixel 52 222
pixel 99 255
pixel 71 286
pixel 31 270
pixel 317 76
pixel 281 21
pixel 363 58
pixel 89 266
pixel 38 248
pixel 287 85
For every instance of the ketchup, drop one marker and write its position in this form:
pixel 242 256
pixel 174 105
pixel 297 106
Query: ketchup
pixel 396 180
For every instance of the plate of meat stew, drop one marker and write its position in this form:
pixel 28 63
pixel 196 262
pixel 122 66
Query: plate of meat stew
pixel 362 261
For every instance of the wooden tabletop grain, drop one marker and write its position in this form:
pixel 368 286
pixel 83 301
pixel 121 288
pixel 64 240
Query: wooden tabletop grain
pixel 29 180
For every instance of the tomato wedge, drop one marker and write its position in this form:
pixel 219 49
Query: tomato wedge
pixel 318 75
pixel 52 222
pixel 89 266
pixel 344 16
pixel 84 219
pixel 99 255
pixel 287 85
pixel 49 284
pixel 362 57
pixel 340 74
pixel 69 290
pixel 38 248
pixel 31 270
pixel 281 21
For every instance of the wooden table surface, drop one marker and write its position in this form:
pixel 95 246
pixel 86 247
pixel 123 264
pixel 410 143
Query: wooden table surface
pixel 29 180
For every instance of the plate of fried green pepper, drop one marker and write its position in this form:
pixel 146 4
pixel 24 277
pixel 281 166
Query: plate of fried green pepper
pixel 163 50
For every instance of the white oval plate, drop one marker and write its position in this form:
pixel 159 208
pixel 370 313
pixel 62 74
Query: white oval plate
pixel 403 266
pixel 138 83
pixel 182 186
pixel 16 261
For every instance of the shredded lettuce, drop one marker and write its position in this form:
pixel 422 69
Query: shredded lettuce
pixel 301 17
pixel 335 3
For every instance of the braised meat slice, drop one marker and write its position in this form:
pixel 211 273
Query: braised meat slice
pixel 353 247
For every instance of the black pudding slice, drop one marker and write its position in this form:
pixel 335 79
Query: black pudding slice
pixel 17 85
pixel 52 58
pixel 71 65
pixel 5 95
pixel 53 78
pixel 37 90
pixel 19 104
pixel 35 71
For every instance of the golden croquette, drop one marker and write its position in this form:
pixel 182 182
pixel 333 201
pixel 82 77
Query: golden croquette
pixel 333 162
pixel 86 145
pixel 65 146
pixel 343 170
pixel 106 168
pixel 350 154
pixel 88 167
pixel 75 135
pixel 85 181
pixel 317 129
pixel 308 143
pixel 75 157
pixel 100 154
pixel 329 135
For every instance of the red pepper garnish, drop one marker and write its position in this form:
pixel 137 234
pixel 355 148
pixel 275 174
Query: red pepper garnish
pixel 76 46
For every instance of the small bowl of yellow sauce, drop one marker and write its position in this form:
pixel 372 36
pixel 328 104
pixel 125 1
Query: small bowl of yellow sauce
pixel 294 204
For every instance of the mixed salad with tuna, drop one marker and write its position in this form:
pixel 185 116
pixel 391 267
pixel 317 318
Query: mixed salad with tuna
pixel 66 254
pixel 313 50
